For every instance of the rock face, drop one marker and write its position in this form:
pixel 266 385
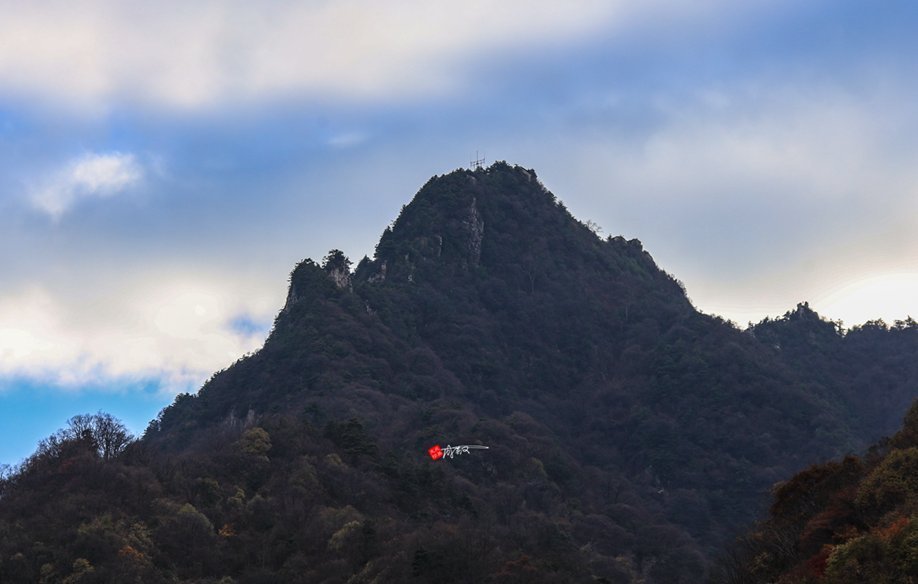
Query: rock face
pixel 341 277
pixel 475 226
pixel 292 298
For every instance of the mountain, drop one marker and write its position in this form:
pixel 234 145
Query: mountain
pixel 629 436
pixel 840 522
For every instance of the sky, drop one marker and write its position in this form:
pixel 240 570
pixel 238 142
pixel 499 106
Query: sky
pixel 164 165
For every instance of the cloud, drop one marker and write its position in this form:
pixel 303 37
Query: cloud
pixel 160 325
pixel 793 145
pixel 182 54
pixel 888 296
pixel 177 54
pixel 759 193
pixel 785 149
pixel 90 175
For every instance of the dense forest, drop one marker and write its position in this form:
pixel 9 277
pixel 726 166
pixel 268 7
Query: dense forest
pixel 631 438
pixel 840 522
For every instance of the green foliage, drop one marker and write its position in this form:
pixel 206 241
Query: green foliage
pixel 351 437
pixel 894 482
pixel 256 442
pixel 908 435
pixel 887 557
pixel 82 571
pixel 336 260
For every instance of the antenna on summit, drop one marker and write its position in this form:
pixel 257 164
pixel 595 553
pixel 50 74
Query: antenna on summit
pixel 478 163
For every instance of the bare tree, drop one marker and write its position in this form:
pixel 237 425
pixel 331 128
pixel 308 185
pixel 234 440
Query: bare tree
pixel 106 433
pixel 77 425
pixel 112 437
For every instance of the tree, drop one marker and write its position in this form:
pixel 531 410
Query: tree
pixel 256 441
pixel 101 432
pixel 336 260
pixel 111 436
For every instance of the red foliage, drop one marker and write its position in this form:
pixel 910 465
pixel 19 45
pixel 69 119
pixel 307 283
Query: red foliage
pixel 890 531
pixel 816 565
pixel 824 527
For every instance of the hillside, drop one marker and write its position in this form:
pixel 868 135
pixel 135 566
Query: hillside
pixel 840 522
pixel 630 436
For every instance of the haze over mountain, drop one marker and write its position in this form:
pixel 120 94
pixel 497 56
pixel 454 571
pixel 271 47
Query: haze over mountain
pixel 630 436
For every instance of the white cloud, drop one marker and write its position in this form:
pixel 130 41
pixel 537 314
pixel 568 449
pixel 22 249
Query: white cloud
pixel 819 144
pixel 90 175
pixel 889 296
pixel 759 196
pixel 164 325
pixel 192 54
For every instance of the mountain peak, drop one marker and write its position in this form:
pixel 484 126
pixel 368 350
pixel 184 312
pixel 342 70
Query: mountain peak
pixel 501 220
pixel 799 328
pixel 447 218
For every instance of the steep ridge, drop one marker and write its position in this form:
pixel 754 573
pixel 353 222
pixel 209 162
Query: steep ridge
pixel 629 435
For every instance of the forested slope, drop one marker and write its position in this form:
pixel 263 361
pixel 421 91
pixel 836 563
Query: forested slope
pixel 840 522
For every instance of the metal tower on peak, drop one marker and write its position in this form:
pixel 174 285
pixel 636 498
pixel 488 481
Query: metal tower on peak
pixel 478 162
